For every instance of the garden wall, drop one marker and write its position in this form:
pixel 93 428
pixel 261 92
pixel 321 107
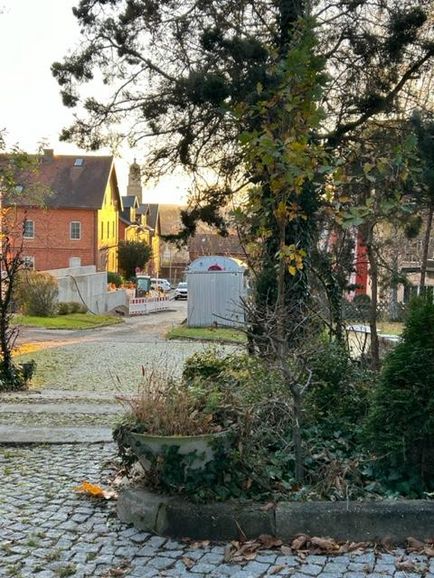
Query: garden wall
pixel 84 284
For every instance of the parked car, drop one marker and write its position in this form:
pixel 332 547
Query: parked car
pixel 181 292
pixel 162 285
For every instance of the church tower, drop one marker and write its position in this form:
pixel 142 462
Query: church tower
pixel 134 187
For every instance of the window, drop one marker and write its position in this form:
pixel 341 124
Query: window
pixel 102 230
pixel 29 262
pixel 108 229
pixel 78 162
pixel 29 230
pixel 75 230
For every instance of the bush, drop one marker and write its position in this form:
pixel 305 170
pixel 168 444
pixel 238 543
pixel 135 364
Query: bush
pixel 114 278
pixel 338 397
pixel 37 294
pixel 76 307
pixel 67 307
pixel 17 377
pixel 400 428
pixel 62 308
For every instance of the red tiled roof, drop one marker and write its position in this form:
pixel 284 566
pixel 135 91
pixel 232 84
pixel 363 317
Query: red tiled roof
pixel 206 244
pixel 72 184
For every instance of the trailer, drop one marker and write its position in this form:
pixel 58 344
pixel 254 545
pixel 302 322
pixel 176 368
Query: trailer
pixel 217 286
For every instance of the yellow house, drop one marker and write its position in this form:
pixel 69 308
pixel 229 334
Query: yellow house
pixel 108 226
pixel 153 220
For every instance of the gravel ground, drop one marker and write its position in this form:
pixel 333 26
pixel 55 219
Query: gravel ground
pixel 112 367
pixel 49 531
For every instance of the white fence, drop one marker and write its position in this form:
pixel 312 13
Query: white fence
pixel 146 305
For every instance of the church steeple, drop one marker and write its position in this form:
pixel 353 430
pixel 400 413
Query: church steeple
pixel 135 182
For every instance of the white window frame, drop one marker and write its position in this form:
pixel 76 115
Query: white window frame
pixel 32 223
pixel 29 260
pixel 79 230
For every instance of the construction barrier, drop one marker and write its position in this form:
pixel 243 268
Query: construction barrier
pixel 146 305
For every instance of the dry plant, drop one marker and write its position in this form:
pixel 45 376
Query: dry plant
pixel 165 406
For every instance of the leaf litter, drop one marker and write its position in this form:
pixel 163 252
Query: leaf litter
pixel 243 551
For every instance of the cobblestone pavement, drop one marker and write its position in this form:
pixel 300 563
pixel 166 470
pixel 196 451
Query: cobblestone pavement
pixel 49 531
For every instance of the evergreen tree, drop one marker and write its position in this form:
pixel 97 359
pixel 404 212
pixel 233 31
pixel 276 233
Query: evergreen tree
pixel 133 255
pixel 401 421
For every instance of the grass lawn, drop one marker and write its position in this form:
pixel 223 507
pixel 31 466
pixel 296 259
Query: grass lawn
pixel 221 334
pixel 390 328
pixel 71 321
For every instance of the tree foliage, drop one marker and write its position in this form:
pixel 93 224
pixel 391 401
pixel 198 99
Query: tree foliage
pixel 195 77
pixel 133 254
pixel 401 426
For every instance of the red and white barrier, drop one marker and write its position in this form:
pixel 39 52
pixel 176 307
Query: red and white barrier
pixel 146 305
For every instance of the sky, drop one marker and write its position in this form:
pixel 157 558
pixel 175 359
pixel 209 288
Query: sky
pixel 34 34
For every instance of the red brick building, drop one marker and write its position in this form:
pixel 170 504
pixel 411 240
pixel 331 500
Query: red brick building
pixel 77 218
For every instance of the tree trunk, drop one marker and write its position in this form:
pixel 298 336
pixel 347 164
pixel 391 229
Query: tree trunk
pixel 296 434
pixel 426 242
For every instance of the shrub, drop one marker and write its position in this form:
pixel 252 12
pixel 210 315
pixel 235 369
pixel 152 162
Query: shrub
pixel 62 308
pixel 243 394
pixel 338 397
pixel 76 307
pixel 17 377
pixel 67 307
pixel 37 294
pixel 114 278
pixel 400 428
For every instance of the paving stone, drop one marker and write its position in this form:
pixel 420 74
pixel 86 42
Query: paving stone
pixel 46 520
pixel 161 562
pixel 311 569
pixel 202 568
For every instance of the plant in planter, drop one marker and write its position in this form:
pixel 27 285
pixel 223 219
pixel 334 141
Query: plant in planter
pixel 176 430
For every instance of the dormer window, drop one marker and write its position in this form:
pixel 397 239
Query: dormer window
pixel 78 162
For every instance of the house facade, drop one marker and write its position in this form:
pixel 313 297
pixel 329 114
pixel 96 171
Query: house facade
pixel 76 221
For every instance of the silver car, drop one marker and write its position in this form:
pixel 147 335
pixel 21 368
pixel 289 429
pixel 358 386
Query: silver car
pixel 181 292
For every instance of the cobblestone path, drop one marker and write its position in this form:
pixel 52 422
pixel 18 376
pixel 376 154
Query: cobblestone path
pixel 48 531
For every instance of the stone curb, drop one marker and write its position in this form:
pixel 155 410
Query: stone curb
pixel 354 521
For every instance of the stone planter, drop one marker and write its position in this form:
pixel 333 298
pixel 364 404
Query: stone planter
pixel 201 446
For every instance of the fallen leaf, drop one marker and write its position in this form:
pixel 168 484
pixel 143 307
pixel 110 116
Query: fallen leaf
pixel 353 547
pixel 405 565
pixel 387 544
pixel 286 550
pixel 325 544
pixel 199 544
pixel 415 544
pixel 268 506
pixel 95 491
pixel 429 551
pixel 299 542
pixel 188 562
pixel 277 569
pixel 268 541
pixel 116 572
